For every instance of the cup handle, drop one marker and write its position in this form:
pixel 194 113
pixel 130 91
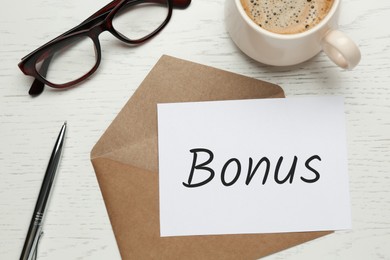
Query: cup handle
pixel 341 49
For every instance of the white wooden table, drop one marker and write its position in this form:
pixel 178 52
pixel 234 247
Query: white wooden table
pixel 77 225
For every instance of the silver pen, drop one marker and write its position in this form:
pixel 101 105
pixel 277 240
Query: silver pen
pixel 35 230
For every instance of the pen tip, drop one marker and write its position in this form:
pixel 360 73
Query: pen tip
pixel 65 122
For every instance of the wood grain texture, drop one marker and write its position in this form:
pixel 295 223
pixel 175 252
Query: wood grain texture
pixel 77 226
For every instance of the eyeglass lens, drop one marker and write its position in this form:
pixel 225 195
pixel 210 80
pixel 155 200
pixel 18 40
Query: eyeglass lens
pixel 135 22
pixel 74 59
pixel 76 56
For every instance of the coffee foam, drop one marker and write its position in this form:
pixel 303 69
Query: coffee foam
pixel 287 16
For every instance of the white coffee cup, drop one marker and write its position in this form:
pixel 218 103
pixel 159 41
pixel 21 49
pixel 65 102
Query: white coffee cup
pixel 290 49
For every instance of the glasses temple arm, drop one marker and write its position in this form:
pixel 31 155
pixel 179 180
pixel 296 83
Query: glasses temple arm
pixel 102 10
pixel 181 4
pixel 114 3
pixel 37 86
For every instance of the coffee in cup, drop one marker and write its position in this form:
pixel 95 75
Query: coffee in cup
pixel 288 32
pixel 287 16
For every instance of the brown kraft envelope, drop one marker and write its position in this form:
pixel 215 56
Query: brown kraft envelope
pixel 125 160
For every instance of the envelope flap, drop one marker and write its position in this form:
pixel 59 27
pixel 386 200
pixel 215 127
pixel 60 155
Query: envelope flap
pixel 171 80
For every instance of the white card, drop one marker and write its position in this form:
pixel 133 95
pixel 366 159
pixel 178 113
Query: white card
pixel 253 166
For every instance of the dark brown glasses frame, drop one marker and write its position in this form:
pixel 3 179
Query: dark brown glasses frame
pixel 92 27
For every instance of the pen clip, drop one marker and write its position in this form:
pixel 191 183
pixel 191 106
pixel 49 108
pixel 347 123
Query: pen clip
pixel 35 254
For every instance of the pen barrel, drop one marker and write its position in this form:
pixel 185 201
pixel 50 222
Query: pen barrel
pixel 32 238
pixel 35 228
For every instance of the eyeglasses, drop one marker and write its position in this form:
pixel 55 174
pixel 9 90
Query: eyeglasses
pixel 75 55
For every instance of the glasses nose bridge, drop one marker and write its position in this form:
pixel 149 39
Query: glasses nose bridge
pixel 97 29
